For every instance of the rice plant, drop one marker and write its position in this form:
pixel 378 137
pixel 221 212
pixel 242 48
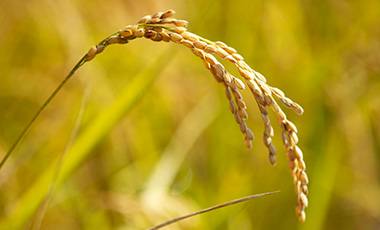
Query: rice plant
pixel 162 27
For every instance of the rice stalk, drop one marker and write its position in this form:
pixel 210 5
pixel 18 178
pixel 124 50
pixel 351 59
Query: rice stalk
pixel 163 27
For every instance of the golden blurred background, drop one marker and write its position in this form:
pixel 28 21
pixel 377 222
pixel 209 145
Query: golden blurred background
pixel 146 130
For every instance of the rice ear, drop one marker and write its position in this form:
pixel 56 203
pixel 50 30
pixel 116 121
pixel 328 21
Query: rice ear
pixel 162 27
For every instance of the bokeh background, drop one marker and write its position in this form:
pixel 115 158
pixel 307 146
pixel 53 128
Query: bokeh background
pixel 146 130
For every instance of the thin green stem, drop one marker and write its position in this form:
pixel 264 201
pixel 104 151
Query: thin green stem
pixel 143 25
pixel 211 209
pixel 47 102
pixel 41 109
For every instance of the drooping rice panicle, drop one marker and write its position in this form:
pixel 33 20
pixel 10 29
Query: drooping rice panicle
pixel 163 27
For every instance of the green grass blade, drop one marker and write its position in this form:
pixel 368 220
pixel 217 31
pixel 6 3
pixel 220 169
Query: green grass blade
pixel 28 203
pixel 41 109
pixel 163 175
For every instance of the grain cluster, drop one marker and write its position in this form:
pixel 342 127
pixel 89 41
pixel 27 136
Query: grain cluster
pixel 163 27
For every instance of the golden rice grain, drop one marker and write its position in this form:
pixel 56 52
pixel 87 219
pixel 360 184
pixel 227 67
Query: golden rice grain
pixel 205 62
pixel 210 49
pixel 247 143
pixel 297 108
pixel 159 14
pixel 139 33
pixel 199 53
pixel 277 92
pixel 175 37
pixel 291 154
pixel 238 57
pixel 187 43
pixel 91 53
pixel 167 14
pixel 243 114
pixel 267 140
pixel 133 28
pixel 293 137
pixel 126 33
pixel 181 23
pixel 99 48
pixel 304 200
pixel 237 94
pixel 221 53
pixel 179 30
pixel 301 164
pixel 290 126
pixel 231 59
pixel 190 36
pixel 250 134
pixel 165 37
pixel 242 125
pixel 238 83
pixel 155 21
pixel 220 44
pixel 260 77
pixel 228 94
pixel 229 50
pixel 168 20
pixel 145 19
pixel 150 34
pixel 241 103
pixel 284 138
pixel 200 44
pixel 232 107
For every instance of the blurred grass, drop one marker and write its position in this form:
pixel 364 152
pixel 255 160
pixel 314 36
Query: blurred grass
pixel 324 55
pixel 85 142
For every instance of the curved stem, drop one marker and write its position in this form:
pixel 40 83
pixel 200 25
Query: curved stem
pixel 46 103
pixel 211 209
pixel 41 109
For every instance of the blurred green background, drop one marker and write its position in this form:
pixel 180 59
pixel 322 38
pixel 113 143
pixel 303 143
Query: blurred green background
pixel 147 132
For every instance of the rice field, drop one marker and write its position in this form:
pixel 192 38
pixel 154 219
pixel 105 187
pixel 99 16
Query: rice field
pixel 143 133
